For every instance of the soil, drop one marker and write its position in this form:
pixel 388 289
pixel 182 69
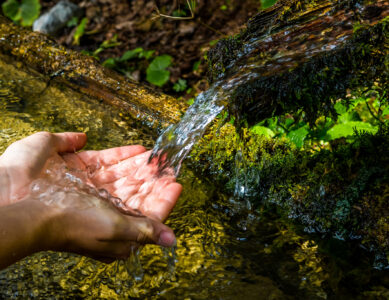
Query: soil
pixel 137 24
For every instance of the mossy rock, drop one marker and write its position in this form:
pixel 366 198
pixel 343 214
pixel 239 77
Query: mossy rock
pixel 340 192
pixel 306 55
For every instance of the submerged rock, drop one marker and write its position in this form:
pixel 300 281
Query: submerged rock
pixel 57 17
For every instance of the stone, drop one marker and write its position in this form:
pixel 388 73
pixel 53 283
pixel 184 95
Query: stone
pixel 57 17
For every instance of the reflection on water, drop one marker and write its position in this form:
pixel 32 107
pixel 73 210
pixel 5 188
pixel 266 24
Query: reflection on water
pixel 224 249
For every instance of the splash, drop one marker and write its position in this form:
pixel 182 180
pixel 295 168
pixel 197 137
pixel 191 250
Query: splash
pixel 274 52
pixel 69 188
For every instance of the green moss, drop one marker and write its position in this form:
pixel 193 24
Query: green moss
pixel 313 83
pixel 342 192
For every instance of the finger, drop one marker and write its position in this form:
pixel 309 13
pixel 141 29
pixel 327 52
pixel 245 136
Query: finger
pixel 158 205
pixel 69 141
pixel 123 188
pixel 135 167
pixel 37 148
pixel 147 231
pixel 73 161
pixel 110 156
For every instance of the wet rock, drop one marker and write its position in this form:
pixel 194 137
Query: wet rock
pixel 57 17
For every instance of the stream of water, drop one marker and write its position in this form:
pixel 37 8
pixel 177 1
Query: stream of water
pixel 225 249
pixel 277 50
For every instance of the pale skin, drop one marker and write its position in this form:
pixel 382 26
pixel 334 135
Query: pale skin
pixel 105 233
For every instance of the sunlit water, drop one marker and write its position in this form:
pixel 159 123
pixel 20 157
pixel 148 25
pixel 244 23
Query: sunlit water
pixel 225 249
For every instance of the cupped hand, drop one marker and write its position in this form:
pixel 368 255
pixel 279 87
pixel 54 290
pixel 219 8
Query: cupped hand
pixel 124 172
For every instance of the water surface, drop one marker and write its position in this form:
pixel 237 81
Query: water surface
pixel 224 249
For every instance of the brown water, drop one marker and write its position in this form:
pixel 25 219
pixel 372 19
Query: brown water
pixel 224 249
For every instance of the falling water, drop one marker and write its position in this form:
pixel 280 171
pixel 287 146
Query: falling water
pixel 267 55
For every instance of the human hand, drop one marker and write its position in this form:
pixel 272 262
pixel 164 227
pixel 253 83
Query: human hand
pixel 122 171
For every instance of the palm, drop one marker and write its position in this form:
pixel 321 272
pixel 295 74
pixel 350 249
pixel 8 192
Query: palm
pixel 123 172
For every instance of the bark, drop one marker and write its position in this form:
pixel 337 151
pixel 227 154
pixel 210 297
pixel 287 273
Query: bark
pixel 84 74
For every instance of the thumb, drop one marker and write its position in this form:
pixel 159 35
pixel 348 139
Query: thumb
pixel 69 141
pixel 147 231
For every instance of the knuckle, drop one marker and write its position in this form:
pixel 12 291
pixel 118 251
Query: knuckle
pixel 145 233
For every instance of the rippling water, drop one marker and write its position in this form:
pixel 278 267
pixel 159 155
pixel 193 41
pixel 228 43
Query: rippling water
pixel 225 249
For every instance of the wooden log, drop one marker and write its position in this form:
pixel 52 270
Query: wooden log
pixel 85 74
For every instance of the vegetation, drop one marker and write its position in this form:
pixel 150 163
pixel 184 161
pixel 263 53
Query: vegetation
pixel 23 12
pixel 320 154
pixel 362 114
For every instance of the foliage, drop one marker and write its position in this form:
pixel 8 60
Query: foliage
pixel 262 130
pixel 340 192
pixel 313 86
pixel 358 115
pixel 80 30
pixel 157 72
pixel 138 59
pixel 180 86
pixel 24 12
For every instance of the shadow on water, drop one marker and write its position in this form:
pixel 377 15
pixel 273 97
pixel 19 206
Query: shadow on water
pixel 225 250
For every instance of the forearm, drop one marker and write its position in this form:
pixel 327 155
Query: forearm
pixel 24 229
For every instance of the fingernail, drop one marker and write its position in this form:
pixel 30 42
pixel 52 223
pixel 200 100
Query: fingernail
pixel 167 239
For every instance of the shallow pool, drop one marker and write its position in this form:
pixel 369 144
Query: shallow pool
pixel 224 250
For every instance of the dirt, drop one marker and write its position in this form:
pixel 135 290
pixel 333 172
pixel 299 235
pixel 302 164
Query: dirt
pixel 137 24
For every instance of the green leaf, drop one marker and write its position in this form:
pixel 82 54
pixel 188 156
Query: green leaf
pixel 340 108
pixel 146 54
pixel 193 4
pixel 180 85
pixel 131 54
pixel 30 10
pixel 190 101
pixel 386 111
pixel 110 63
pixel 11 9
pixel 80 31
pixel 347 129
pixel 110 43
pixel 298 136
pixel 349 116
pixel 272 123
pixel 156 72
pixel 267 3
pixel 262 130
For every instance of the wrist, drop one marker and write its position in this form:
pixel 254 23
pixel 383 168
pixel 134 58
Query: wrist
pixel 26 229
pixel 43 221
pixel 50 231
